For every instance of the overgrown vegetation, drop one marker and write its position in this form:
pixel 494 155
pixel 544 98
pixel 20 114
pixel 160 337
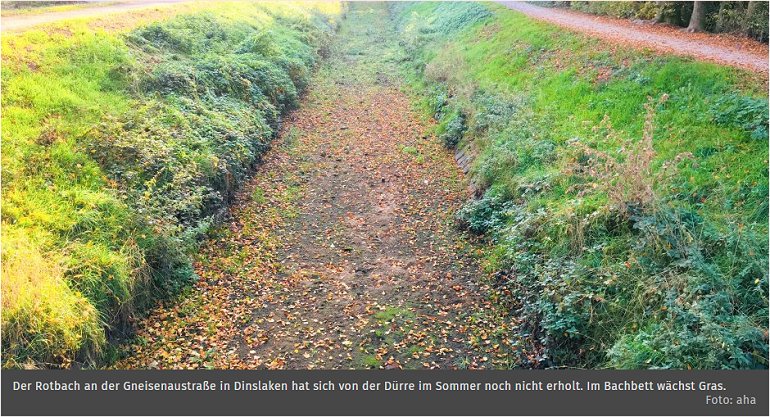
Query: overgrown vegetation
pixel 619 240
pixel 120 149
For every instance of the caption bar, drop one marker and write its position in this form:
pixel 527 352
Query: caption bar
pixel 385 392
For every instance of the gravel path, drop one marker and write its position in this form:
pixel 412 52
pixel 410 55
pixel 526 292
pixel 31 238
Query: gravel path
pixel 21 22
pixel 729 50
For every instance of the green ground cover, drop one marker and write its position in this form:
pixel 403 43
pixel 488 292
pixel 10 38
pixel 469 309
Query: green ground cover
pixel 625 193
pixel 120 148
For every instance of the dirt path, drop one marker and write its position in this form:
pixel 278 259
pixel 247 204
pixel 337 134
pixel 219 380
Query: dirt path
pixel 25 21
pixel 341 251
pixel 733 51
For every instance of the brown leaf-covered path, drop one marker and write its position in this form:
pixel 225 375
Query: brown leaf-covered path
pixel 25 21
pixel 724 49
pixel 341 251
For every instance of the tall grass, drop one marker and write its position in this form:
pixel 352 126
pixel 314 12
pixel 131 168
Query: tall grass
pixel 53 323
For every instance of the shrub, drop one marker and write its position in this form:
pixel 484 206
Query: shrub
pixel 622 9
pixel 747 113
pixel 700 334
pixel 494 113
pixel 451 128
pixel 485 214
pixel 438 101
pixel 734 17
pixel 721 17
pixel 217 114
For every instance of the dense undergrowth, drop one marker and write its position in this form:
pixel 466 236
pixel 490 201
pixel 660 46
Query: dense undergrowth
pixel 120 149
pixel 625 194
pixel 720 17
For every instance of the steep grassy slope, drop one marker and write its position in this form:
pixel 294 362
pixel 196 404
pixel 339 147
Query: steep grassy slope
pixel 120 148
pixel 625 193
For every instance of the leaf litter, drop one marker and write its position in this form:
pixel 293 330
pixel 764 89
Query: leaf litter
pixel 340 252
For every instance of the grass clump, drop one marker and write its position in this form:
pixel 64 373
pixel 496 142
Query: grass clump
pixel 618 240
pixel 54 323
pixel 121 148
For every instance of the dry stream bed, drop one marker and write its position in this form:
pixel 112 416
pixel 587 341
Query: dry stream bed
pixel 341 251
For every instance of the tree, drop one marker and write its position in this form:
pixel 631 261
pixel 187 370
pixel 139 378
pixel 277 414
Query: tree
pixel 670 12
pixel 698 17
pixel 756 20
pixel 660 17
pixel 751 11
pixel 752 8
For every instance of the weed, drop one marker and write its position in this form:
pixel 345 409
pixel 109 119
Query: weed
pixel 486 214
pixel 258 196
pixel 410 150
pixel 750 114
pixel 628 178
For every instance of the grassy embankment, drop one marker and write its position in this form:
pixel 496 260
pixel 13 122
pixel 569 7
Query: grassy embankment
pixel 120 147
pixel 625 193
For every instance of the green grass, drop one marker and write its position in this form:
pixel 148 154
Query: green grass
pixel 678 279
pixel 258 196
pixel 120 148
pixel 390 326
pixel 392 313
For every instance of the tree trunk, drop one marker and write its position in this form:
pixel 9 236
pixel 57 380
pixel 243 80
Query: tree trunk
pixel 660 17
pixel 752 25
pixel 749 17
pixel 698 18
pixel 752 7
pixel 719 27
